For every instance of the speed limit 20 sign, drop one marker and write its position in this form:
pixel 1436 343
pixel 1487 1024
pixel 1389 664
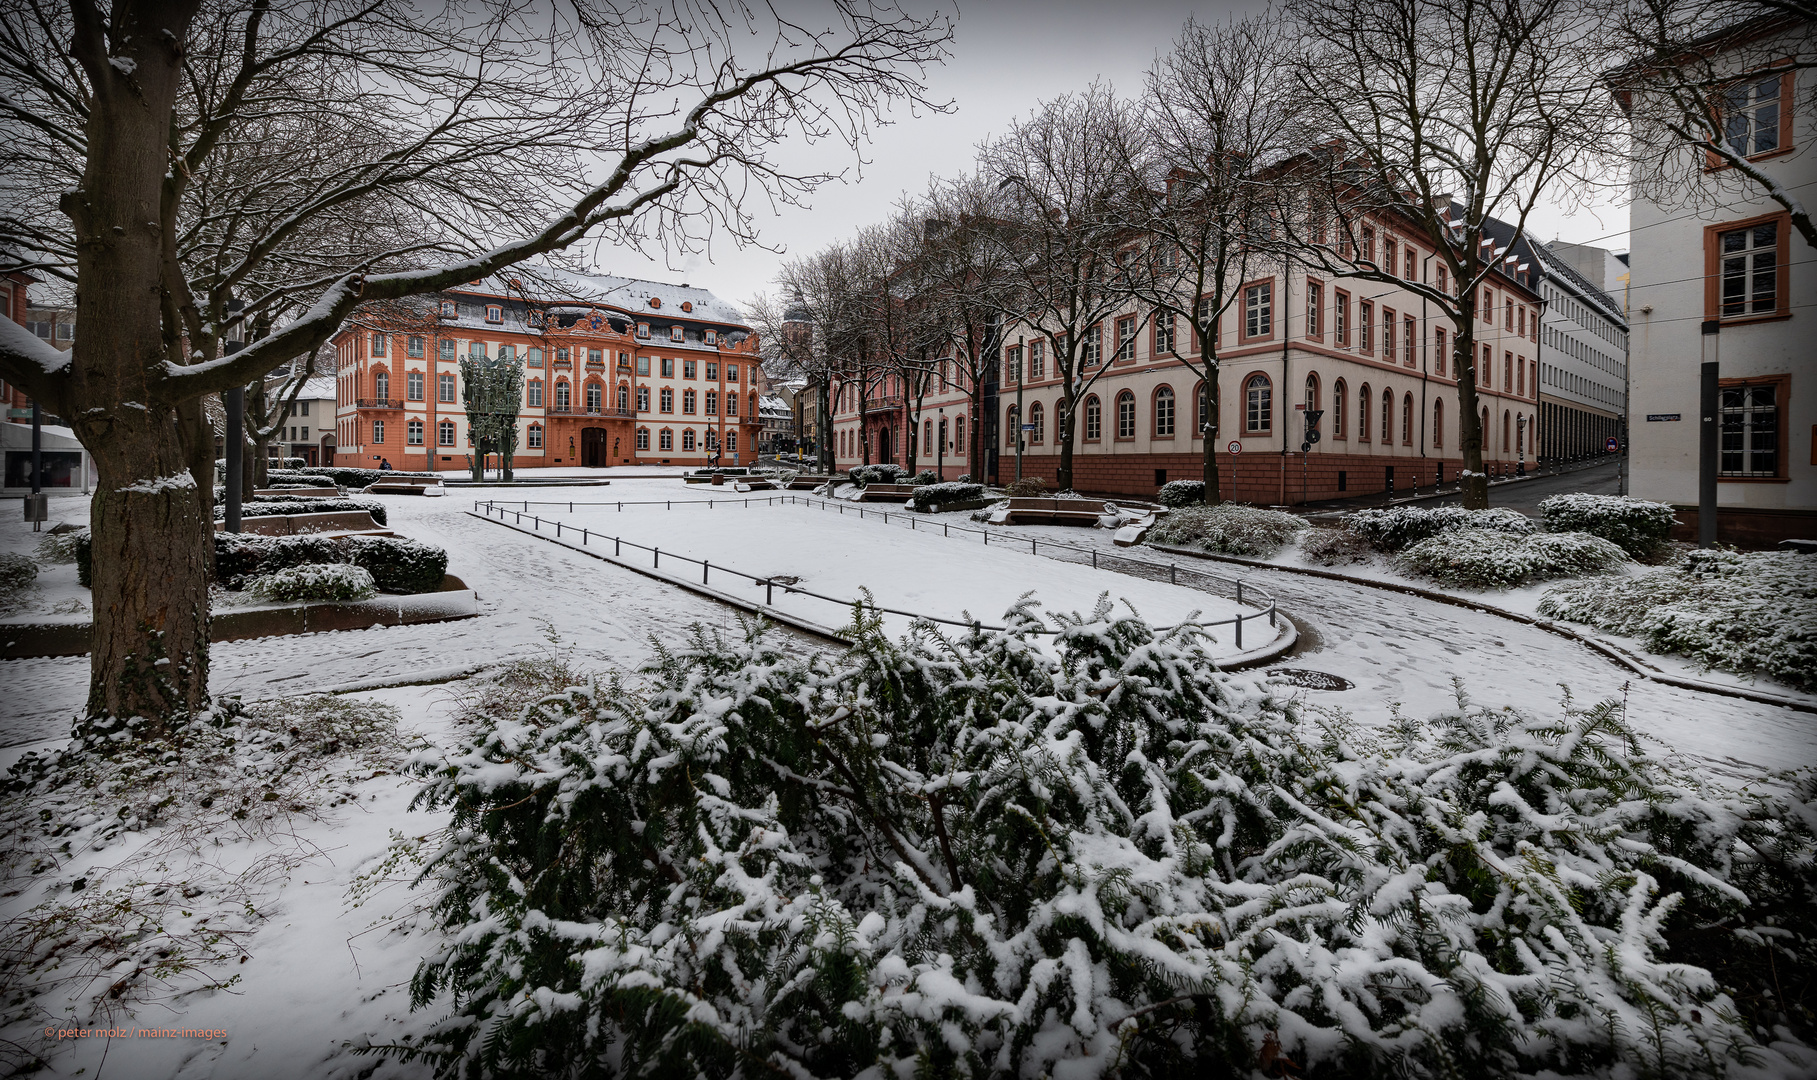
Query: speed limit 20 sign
pixel 1235 447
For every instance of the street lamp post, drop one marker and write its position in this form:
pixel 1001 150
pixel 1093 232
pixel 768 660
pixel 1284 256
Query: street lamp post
pixel 942 451
pixel 1520 444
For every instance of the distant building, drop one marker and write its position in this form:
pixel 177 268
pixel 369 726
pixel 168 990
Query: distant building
pixel 308 431
pixel 65 465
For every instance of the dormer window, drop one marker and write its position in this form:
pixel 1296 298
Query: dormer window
pixel 643 330
pixel 712 337
pixel 536 318
pixel 448 309
pixel 675 333
pixel 495 313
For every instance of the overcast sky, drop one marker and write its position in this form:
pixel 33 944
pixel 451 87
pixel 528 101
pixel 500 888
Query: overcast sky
pixel 1007 55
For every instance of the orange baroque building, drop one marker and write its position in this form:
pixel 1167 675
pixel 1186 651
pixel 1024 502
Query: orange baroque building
pixel 617 371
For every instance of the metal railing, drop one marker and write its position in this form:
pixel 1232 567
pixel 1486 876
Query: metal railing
pixel 489 508
pixel 378 403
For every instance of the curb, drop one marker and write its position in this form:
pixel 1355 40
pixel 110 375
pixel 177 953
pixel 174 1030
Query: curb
pixel 1608 649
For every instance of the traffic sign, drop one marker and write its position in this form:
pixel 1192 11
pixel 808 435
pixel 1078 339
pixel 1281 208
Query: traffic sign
pixel 1612 445
pixel 1312 435
pixel 1235 447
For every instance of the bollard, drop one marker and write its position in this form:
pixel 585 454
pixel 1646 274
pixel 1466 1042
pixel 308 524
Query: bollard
pixel 558 530
pixel 570 506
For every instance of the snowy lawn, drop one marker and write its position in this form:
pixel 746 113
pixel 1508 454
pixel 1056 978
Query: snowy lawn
pixel 919 570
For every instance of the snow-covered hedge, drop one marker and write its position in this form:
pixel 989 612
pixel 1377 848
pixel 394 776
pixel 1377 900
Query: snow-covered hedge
pixel 280 506
pixel 1029 487
pixel 1334 545
pixel 1745 612
pixel 293 462
pixel 865 475
pixel 1181 493
pixel 965 478
pixel 397 565
pixel 1637 526
pixel 927 476
pixel 16 570
pixel 60 547
pixel 1391 529
pixel 931 495
pixel 327 581
pixel 1087 855
pixel 1492 559
pixel 1228 529
pixel 346 477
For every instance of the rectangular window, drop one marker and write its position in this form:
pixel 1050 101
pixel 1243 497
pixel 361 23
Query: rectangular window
pixel 687 402
pixel 1126 338
pixel 1508 306
pixel 1751 113
pixel 1439 362
pixel 1012 365
pixel 413 345
pixel 378 344
pixel 712 371
pixel 1163 333
pixel 1409 340
pixel 448 309
pixel 533 393
pixel 643 330
pixel 688 369
pixel 596 358
pixel 444 388
pixel 1365 325
pixel 1315 303
pixel 476 350
pixel 1258 310
pixel 413 386
pixel 666 440
pixel 1412 269
pixel 667 397
pixel 1750 430
pixel 676 334
pixel 711 337
pixel 1507 372
pixel 413 433
pixel 445 349
pixel 643 365
pixel 731 373
pixel 1368 244
pixel 1094 345
pixel 643 400
pixel 378 431
pixel 1037 359
pixel 561 354
pixel 495 313
pixel 533 438
pixel 533 357
pixel 1388 334
pixel 1749 280
pixel 1340 319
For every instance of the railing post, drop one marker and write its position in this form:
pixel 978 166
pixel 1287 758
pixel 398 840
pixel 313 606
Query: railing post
pixel 583 538
pixel 1094 558
pixel 558 530
pixel 616 541
pixel 769 593
pixel 705 569
pixel 1239 592
pixel 655 557
pixel 1173 574
pixel 1239 629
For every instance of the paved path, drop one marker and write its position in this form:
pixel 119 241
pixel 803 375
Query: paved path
pixel 1602 478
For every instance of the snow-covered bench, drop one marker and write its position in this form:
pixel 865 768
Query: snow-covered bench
pixel 1023 511
pixel 887 493
pixel 329 492
pixel 807 481
pixel 335 521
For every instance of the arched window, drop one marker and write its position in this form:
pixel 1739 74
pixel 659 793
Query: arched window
pixel 1126 415
pixel 1094 419
pixel 1164 413
pixel 594 397
pixel 1312 391
pixel 534 437
pixel 1340 404
pixel 1258 404
pixel 1387 417
pixel 381 385
pixel 665 439
pixel 687 438
pixel 444 433
pixel 533 394
pixel 562 395
pixel 643 438
pixel 1363 407
pixel 959 434
pixel 1438 423
pixel 1505 426
pixel 1010 429
pixel 624 398
pixel 1407 420
pixel 1038 418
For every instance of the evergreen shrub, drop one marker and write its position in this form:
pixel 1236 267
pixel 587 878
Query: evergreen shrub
pixel 1391 529
pixel 293 462
pixel 283 506
pixel 1334 545
pixel 1638 527
pixel 322 581
pixel 866 475
pixel 1029 487
pixel 965 478
pixel 355 478
pixel 931 495
pixel 61 547
pixel 1177 493
pixel 1493 559
pixel 1085 853
pixel 927 476
pixel 397 565
pixel 1227 529
pixel 16 571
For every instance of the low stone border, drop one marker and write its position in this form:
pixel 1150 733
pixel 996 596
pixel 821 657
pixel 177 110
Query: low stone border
pixel 1609 649
pixel 73 635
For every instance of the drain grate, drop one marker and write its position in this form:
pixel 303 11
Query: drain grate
pixel 1308 679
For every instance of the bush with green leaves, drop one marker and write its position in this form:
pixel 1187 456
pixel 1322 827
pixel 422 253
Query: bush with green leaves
pixel 1746 612
pixel 1178 493
pixel 1227 529
pixel 283 506
pixel 1493 559
pixel 16 571
pixel 321 581
pixel 1329 545
pixel 930 496
pixel 927 476
pixel 865 475
pixel 1029 487
pixel 965 478
pixel 1086 852
pixel 1638 527
pixel 1394 528
pixel 60 547
pixel 397 564
pixel 352 478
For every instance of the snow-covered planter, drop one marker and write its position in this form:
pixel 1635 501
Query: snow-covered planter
pixel 930 496
pixel 1334 545
pixel 1178 493
pixel 1088 854
pixel 397 565
pixel 16 571
pixel 1746 612
pixel 280 506
pixel 1492 559
pixel 1228 529
pixel 1391 529
pixel 1637 526
pixel 331 581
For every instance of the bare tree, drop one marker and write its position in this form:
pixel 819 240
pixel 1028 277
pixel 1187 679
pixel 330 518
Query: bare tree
pixel 1439 115
pixel 1060 218
pixel 313 156
pixel 967 292
pixel 1705 93
pixel 1220 112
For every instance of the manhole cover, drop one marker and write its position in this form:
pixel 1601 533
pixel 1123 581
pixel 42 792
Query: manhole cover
pixel 1312 680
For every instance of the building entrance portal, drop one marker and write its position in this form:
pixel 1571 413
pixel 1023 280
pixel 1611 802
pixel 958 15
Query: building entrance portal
pixel 593 447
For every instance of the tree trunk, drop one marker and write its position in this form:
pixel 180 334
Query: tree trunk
pixel 823 427
pixel 1063 431
pixel 1214 493
pixel 1473 486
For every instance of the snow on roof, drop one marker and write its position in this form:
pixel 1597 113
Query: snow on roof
pixel 629 294
pixel 318 387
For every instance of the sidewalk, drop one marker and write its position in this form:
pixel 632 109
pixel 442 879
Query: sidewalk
pixel 1601 477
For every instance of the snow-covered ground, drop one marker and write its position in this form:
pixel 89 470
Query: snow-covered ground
pixel 322 974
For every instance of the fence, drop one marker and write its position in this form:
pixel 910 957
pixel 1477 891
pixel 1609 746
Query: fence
pixel 588 536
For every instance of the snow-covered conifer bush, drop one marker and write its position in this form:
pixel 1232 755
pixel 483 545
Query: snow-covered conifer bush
pixel 1637 526
pixel 927 476
pixel 1745 612
pixel 1492 559
pixel 865 475
pixel 397 564
pixel 939 494
pixel 16 571
pixel 965 478
pixel 1228 529
pixel 1088 853
pixel 1029 487
pixel 1391 529
pixel 1335 545
pixel 1181 493
pixel 330 581
pixel 60 547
